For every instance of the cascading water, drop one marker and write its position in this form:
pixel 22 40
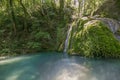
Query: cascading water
pixel 113 25
pixel 67 39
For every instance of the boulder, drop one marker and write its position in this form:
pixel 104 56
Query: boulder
pixel 96 40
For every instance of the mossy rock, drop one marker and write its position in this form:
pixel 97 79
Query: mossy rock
pixel 96 40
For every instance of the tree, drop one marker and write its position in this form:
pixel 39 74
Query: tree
pixel 61 2
pixel 25 15
pixel 13 15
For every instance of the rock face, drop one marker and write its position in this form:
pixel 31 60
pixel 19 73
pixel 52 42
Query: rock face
pixel 95 39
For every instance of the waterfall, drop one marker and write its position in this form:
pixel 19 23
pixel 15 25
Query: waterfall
pixel 67 39
pixel 112 24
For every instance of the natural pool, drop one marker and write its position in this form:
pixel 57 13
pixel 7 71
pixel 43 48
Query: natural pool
pixel 53 66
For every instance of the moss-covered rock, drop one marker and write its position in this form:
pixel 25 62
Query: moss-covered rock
pixel 96 40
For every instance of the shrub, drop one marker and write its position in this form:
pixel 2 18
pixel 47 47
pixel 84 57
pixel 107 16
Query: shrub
pixel 96 40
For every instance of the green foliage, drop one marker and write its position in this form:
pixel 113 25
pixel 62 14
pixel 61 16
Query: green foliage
pixel 118 3
pixel 110 9
pixel 96 40
pixel 33 45
pixel 34 26
pixel 91 6
pixel 27 26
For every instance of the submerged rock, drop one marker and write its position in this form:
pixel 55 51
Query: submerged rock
pixel 95 39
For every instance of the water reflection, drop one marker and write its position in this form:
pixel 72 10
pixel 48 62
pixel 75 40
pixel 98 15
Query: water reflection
pixel 70 70
pixel 58 67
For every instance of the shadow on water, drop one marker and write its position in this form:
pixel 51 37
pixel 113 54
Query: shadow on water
pixel 52 66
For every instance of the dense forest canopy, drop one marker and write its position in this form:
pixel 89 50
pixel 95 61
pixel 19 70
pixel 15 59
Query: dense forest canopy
pixel 28 26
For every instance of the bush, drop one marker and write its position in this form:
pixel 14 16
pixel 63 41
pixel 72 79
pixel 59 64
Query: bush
pixel 40 29
pixel 96 40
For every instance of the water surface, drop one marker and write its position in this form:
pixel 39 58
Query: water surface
pixel 55 66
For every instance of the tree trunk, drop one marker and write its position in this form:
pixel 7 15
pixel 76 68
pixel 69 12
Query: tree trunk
pixel 25 15
pixel 13 15
pixel 61 7
pixel 61 10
